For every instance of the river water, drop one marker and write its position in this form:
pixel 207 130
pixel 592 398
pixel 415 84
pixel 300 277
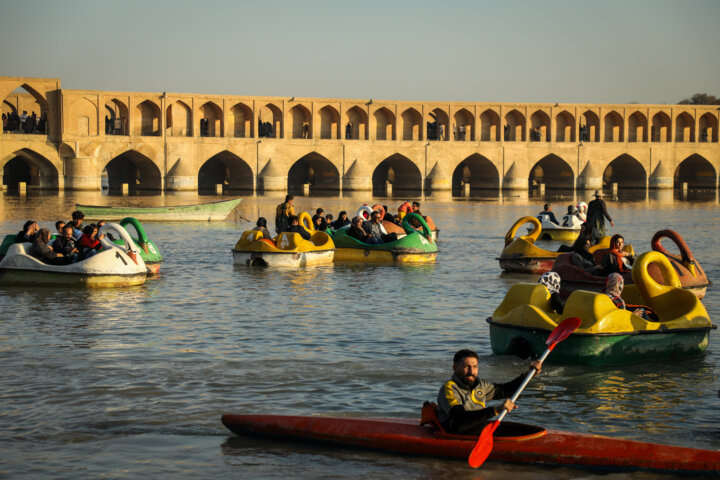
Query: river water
pixel 129 383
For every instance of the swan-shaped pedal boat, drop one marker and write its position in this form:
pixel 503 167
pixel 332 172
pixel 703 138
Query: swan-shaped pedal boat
pixel 288 249
pixel 607 334
pixel 148 250
pixel 691 275
pixel 521 255
pixel 112 266
pixel 414 247
pixel 391 227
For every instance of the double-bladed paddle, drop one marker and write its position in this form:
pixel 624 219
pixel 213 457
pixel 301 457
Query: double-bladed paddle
pixel 484 445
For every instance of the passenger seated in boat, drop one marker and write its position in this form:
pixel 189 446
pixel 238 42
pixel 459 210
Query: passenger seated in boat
pixel 319 220
pixel 374 228
pixel 616 260
pixel 261 226
pixel 65 243
pixel 551 280
pixel 341 221
pixel 76 222
pixel 44 253
pixel 613 288
pixel 388 216
pixel 583 259
pixel 108 235
pixel 570 218
pixel 357 231
pixel 579 241
pixel 295 227
pixel 548 213
pixel 28 233
pixel 328 221
pixel 88 244
pixel 59 227
pixel 462 400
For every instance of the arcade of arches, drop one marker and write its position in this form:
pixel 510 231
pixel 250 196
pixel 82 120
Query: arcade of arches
pixel 145 141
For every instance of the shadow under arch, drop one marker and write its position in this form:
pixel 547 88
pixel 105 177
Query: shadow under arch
pixel 28 166
pixel 316 170
pixel 226 169
pixel 399 171
pixel 477 171
pixel 552 171
pixel 626 171
pixel 134 169
pixel 697 172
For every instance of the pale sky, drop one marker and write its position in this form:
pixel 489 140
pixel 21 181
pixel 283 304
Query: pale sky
pixel 599 51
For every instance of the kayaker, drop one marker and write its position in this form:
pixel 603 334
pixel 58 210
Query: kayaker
pixel 261 226
pixel 596 215
pixel 551 281
pixel 283 212
pixel 461 400
pixel 295 227
pixel 547 213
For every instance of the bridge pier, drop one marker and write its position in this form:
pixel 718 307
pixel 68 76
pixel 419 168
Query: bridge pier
pixel 81 174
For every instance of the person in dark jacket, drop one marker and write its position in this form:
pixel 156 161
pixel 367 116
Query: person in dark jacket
pixel 551 281
pixel 65 243
pixel 357 231
pixel 28 233
pixel 44 253
pixel 596 215
pixel 341 221
pixel 295 227
pixel 547 212
pixel 462 400
pixel 583 259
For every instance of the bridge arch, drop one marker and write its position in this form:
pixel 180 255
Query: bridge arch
pixel 626 171
pixel 540 124
pixel 329 123
pixel 85 113
pixel 514 130
pixel 117 110
pixel 134 169
pixel 697 172
pixel 490 126
pixel 591 127
pixel 411 124
pixel 437 129
pixel 384 124
pixel 661 128
pixel 29 166
pixel 149 114
pixel 398 170
pixel 708 126
pixel 24 97
pixel 226 169
pixel 356 124
pixel 552 171
pixel 315 169
pixel 179 119
pixel 637 127
pixel 478 171
pixel 564 127
pixel 301 117
pixel 211 115
pixel 464 128
pixel 614 125
pixel 684 128
pixel 241 118
pixel 270 118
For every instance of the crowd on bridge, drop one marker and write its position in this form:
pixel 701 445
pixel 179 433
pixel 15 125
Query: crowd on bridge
pixel 24 123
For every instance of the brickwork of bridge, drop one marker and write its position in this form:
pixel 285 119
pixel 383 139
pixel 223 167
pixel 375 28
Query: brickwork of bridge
pixel 191 142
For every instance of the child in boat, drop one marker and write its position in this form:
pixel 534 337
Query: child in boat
pixel 88 244
pixel 461 400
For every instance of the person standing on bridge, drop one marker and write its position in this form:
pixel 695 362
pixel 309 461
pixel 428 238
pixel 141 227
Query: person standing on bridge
pixel 596 215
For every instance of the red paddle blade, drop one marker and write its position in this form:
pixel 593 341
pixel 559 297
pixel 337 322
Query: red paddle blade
pixel 563 330
pixel 484 445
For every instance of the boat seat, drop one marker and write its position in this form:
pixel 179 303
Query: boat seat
pixel 429 416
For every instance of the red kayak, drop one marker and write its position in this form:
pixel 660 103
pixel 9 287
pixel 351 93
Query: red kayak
pixel 514 442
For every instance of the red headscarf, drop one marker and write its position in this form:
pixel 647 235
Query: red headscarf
pixel 618 253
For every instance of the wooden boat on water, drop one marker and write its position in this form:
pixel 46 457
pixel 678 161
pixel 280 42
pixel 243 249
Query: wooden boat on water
pixel 112 266
pixel 679 325
pixel 214 211
pixel 286 250
pixel 521 255
pixel 513 442
pixel 691 275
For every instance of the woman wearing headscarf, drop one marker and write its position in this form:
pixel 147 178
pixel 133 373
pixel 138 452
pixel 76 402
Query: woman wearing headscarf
pixel 261 226
pixel 551 280
pixel 583 259
pixel 617 260
pixel 44 253
pixel 613 288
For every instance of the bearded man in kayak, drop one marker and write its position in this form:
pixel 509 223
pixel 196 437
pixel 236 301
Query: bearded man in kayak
pixel 461 401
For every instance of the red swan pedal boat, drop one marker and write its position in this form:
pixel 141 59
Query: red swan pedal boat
pixel 691 274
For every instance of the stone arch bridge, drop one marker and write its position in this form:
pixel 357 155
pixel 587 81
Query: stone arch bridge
pixel 184 142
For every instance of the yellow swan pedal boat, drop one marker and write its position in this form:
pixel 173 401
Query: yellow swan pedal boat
pixel 607 334
pixel 521 255
pixel 288 249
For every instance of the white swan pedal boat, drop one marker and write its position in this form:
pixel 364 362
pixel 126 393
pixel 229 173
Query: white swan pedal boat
pixel 112 266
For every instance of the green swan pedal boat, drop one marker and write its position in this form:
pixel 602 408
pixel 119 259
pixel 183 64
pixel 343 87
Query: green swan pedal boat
pixel 149 252
pixel 607 335
pixel 415 247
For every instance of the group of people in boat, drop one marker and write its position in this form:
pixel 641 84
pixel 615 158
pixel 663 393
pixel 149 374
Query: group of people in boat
pixel 367 230
pixel 592 217
pixel 73 241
